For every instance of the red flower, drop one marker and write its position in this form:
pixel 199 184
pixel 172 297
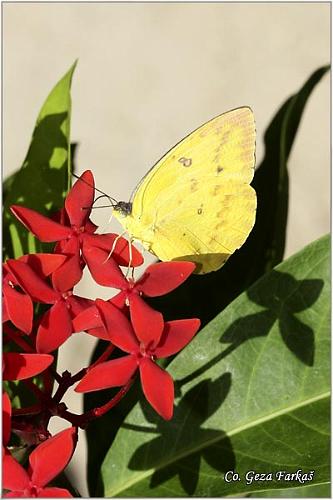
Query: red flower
pixel 6 418
pixel 45 463
pixel 142 351
pixel 17 305
pixel 158 279
pixel 74 230
pixel 56 324
pixel 19 366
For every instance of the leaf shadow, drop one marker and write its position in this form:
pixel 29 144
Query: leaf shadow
pixel 194 408
pixel 285 298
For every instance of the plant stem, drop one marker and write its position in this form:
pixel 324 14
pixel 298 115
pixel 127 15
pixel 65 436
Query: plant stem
pixel 101 410
pixel 84 419
pixel 29 410
pixel 106 354
pixel 66 381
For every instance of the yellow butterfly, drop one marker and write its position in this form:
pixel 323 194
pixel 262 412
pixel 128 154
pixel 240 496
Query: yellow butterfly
pixel 196 203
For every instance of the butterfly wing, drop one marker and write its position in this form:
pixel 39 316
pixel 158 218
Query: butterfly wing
pixel 196 202
pixel 206 229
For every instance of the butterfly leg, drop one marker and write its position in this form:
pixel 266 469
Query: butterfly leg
pixel 114 246
pixel 130 260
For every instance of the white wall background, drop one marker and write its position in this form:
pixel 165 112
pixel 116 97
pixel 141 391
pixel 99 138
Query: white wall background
pixel 148 74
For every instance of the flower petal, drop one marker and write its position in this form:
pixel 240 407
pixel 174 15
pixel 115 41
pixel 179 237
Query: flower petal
pixel 54 329
pixel 52 456
pixel 86 317
pixel 78 304
pixel 19 308
pixel 5 316
pixel 14 476
pixel 90 227
pixel 42 227
pixel 176 335
pixel 70 272
pixel 31 283
pixel 61 217
pixel 54 493
pixel 6 418
pixel 112 373
pixel 43 263
pixel 158 388
pixel 119 301
pixel 100 333
pixel 68 275
pixel 19 366
pixel 147 323
pixel 163 277
pixel 120 252
pixel 89 318
pixel 60 246
pixel 103 268
pixel 118 327
pixel 80 199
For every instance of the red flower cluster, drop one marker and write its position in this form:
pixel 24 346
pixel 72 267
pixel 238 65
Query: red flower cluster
pixel 126 321
pixel 45 462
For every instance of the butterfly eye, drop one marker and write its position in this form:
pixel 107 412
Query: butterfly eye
pixel 124 207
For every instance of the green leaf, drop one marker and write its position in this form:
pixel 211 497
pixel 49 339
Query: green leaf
pixel 207 295
pixel 252 394
pixel 311 491
pixel 43 180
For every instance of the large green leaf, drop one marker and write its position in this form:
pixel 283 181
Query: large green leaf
pixel 207 295
pixel 43 180
pixel 322 490
pixel 259 403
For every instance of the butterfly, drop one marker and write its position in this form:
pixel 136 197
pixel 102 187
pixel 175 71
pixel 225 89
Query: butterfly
pixel 196 203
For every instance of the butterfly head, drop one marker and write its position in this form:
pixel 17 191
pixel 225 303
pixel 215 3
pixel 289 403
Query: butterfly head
pixel 124 207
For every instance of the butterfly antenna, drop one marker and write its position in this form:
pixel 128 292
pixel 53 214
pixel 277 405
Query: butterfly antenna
pixel 101 206
pixel 112 200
